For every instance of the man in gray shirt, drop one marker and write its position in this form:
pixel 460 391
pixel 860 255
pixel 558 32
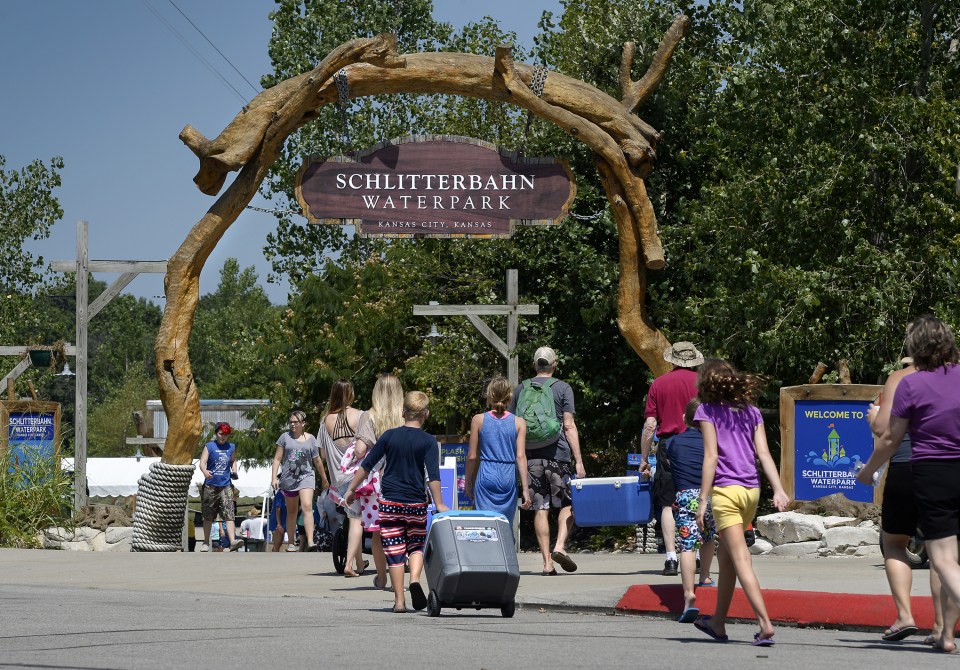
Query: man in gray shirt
pixel 552 466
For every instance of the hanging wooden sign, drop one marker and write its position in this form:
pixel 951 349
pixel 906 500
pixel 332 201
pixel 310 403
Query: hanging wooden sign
pixel 436 185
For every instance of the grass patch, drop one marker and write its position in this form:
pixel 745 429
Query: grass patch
pixel 34 494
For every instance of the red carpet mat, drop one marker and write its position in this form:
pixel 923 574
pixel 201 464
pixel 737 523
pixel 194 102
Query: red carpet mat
pixel 796 607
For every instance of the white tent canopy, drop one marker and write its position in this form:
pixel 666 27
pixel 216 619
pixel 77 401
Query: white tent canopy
pixel 110 477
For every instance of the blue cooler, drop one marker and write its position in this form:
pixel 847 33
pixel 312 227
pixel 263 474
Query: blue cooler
pixel 611 501
pixel 471 561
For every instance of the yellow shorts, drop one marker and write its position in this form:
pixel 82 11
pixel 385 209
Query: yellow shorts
pixel 734 505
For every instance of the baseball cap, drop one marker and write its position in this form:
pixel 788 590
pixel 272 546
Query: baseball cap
pixel 546 355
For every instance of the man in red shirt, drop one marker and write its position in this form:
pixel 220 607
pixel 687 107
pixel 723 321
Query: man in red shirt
pixel 666 402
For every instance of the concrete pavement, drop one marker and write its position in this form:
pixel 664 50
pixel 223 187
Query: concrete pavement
pixel 834 592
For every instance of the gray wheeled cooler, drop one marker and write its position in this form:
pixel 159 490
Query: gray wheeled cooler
pixel 471 561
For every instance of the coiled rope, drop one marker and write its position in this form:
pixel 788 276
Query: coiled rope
pixel 161 504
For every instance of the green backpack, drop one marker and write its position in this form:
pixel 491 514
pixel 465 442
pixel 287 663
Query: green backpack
pixel 536 406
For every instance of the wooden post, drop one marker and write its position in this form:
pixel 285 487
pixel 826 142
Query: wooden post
pixel 80 414
pixel 511 310
pixel 83 266
pixel 513 368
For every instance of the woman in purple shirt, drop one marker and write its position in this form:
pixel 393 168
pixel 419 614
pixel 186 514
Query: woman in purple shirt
pixel 733 441
pixel 927 403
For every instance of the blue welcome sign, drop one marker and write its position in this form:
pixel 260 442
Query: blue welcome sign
pixel 831 439
pixel 29 431
pixel 825 436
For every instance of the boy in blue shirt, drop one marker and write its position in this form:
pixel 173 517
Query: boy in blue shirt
pixel 685 453
pixel 408 451
pixel 218 465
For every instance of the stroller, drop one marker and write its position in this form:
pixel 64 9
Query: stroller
pixel 339 537
pixel 349 464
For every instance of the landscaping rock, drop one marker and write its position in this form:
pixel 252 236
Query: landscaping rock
pixel 796 549
pixel 85 533
pixel 846 536
pixel 868 551
pixel 836 521
pixel 789 527
pixel 119 534
pixel 761 546
pixel 58 534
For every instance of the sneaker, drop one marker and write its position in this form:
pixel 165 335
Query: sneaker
pixel 204 546
pixel 670 568
pixel 236 544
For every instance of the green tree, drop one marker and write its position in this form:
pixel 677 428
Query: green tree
pixel 229 330
pixel 304 33
pixel 120 337
pixel 28 209
pixel 361 302
pixel 820 240
pixel 803 191
pixel 111 420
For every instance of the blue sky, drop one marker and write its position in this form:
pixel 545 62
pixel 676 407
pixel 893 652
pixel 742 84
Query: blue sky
pixel 107 86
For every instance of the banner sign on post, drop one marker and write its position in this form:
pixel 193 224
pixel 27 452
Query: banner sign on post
pixel 31 429
pixel 436 185
pixel 459 451
pixel 825 435
pixel 831 439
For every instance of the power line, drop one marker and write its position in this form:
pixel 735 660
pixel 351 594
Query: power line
pixel 256 90
pixel 189 46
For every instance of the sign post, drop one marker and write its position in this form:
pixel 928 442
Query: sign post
pixel 512 310
pixel 30 429
pixel 824 434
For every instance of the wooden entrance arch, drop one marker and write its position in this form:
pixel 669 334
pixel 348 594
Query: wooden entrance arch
pixel 623 144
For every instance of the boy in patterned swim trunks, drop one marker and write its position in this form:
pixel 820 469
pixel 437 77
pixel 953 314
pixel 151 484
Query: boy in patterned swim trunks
pixel 685 453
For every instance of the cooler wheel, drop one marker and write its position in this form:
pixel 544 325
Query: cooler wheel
pixel 508 609
pixel 433 604
pixel 339 549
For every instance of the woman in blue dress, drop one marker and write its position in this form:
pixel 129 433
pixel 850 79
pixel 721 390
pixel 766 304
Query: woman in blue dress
pixel 496 456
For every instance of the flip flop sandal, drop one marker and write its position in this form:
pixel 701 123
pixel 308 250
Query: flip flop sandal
pixel 565 561
pixel 689 615
pixel 292 549
pixel 418 597
pixel 895 634
pixel 701 625
pixel 762 641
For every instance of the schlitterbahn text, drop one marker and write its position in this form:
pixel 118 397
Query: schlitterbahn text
pixel 440 186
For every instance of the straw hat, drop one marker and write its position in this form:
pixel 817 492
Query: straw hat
pixel 683 354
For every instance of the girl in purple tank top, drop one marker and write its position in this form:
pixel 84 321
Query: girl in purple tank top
pixel 733 441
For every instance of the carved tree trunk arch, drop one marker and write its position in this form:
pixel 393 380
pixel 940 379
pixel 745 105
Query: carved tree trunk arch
pixel 624 146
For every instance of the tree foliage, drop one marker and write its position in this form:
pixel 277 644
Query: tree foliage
pixel 28 209
pixel 229 331
pixel 111 419
pixel 803 190
pixel 822 215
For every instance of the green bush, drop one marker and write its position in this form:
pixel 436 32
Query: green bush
pixel 34 494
